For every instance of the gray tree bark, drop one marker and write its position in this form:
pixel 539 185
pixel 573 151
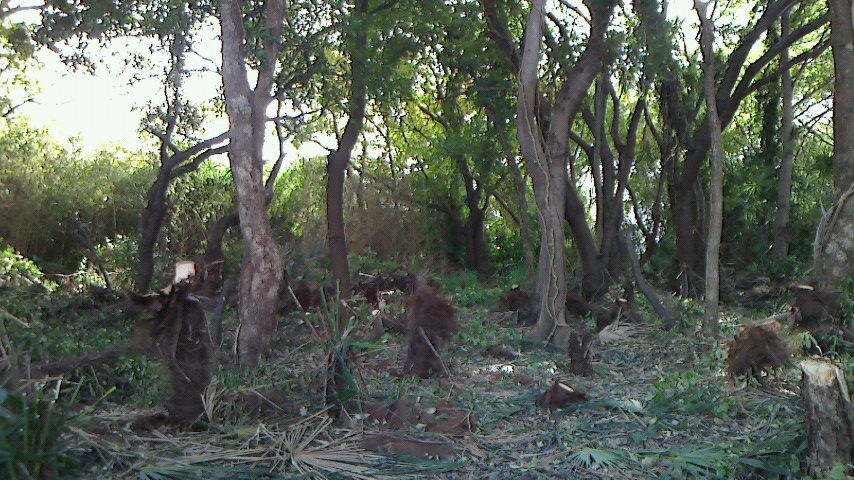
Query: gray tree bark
pixel 782 228
pixel 833 258
pixel 262 271
pixel 549 183
pixel 545 151
pixel 713 242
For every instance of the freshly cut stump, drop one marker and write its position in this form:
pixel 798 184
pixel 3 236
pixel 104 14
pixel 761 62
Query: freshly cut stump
pixel 830 433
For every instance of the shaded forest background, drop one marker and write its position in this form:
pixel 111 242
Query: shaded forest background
pixel 438 156
pixel 561 146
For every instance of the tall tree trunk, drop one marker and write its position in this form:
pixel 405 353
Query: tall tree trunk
pixel 261 272
pixel 707 35
pixel 615 183
pixel 214 257
pixel 782 232
pixel 173 164
pixel 150 224
pixel 549 194
pixel 689 235
pixel 834 243
pixel 524 223
pixel 545 149
pixel 335 223
pixel 477 255
pixel 592 269
pixel 339 160
pixel 598 160
pixel 548 190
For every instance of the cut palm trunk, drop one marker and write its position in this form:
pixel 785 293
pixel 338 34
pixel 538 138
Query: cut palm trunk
pixel 828 415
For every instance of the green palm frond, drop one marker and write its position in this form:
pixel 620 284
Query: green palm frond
pixel 596 458
pixel 698 462
pixel 200 472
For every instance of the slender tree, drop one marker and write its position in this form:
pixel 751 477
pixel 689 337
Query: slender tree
pixel 262 271
pixel 741 76
pixel 713 243
pixel 338 160
pixel 782 227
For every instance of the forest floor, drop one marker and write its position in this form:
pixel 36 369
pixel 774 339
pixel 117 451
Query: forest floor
pixel 659 406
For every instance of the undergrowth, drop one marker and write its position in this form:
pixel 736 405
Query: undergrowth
pixel 660 408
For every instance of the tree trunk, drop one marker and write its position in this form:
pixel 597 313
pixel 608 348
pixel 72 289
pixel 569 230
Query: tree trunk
pixel 834 244
pixel 782 232
pixel 339 160
pixel 261 272
pixel 827 404
pixel 713 246
pixel 172 165
pixel 592 269
pixel 150 225
pixel 736 83
pixel 551 273
pixel 615 183
pixel 477 254
pixel 545 149
pixel 668 318
pixel 548 190
pixel 598 160
pixel 524 223
pixel 335 223
pixel 689 239
pixel 214 257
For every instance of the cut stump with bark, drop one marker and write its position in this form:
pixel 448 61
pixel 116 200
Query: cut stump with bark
pixel 580 353
pixel 828 415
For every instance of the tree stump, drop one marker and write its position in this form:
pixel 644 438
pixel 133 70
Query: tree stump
pixel 828 415
pixel 580 354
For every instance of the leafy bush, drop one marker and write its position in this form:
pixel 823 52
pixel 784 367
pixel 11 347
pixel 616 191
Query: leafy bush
pixel 17 270
pixel 48 327
pixel 49 192
pixel 690 392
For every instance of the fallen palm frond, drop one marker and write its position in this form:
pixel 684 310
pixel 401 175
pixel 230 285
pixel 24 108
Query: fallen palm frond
pixel 307 449
pixel 595 459
pixel 696 462
pixel 620 332
pixel 211 399
pixel 301 445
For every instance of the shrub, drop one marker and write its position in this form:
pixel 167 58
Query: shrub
pixel 48 192
pixel 32 442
